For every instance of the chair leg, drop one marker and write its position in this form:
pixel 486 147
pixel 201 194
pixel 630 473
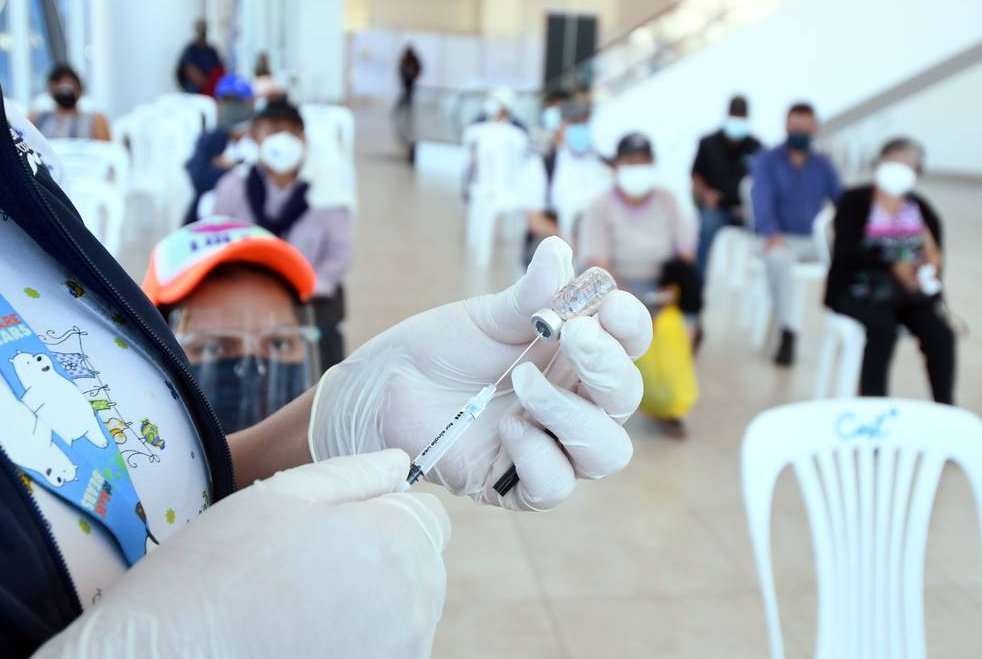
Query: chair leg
pixel 762 314
pixel 826 361
pixel 850 364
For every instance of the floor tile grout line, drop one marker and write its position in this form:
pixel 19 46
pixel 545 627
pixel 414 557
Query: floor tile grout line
pixel 544 599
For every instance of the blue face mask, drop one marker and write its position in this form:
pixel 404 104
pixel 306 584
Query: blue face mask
pixel 736 128
pixel 551 118
pixel 244 391
pixel 578 138
pixel 799 141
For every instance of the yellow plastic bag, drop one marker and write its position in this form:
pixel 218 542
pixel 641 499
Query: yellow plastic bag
pixel 667 369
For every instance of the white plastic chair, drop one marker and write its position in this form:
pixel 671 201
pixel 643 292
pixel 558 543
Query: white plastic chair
pixel 333 121
pixel 804 274
pixel 330 131
pixel 93 160
pixel 203 107
pixel 102 207
pixel 733 248
pixel 868 471
pixel 500 151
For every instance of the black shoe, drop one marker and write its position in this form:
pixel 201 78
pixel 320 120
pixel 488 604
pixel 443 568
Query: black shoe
pixel 785 353
pixel 672 428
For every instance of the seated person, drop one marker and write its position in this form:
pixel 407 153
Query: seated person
pixel 885 271
pixel 217 151
pixel 287 201
pixel 637 233
pixel 235 296
pixel 67 120
pixel 792 183
pixel 722 162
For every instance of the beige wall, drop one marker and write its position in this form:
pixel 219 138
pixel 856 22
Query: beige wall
pixel 493 18
pixel 414 15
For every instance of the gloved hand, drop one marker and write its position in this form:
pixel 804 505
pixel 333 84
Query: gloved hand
pixel 318 560
pixel 403 386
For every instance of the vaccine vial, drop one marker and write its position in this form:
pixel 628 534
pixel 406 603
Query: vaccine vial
pixel 580 297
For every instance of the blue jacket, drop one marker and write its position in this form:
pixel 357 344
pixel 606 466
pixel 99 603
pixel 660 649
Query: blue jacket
pixel 37 598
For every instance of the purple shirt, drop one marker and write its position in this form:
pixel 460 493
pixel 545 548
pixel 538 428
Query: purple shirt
pixel 323 235
pixel 786 198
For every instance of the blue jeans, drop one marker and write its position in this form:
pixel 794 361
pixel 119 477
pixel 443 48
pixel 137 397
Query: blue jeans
pixel 711 220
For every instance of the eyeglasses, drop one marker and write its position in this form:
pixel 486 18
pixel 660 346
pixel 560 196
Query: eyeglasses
pixel 284 344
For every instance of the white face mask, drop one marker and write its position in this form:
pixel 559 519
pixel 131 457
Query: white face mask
pixel 282 152
pixel 895 178
pixel 636 180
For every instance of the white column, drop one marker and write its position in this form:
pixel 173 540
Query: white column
pixel 100 83
pixel 76 30
pixel 19 24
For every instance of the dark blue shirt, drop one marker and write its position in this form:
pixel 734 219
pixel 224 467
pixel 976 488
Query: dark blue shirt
pixel 786 198
pixel 205 57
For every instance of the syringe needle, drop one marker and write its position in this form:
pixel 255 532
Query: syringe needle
pixel 520 358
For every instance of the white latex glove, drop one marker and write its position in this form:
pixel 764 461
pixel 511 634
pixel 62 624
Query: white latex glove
pixel 321 560
pixel 400 388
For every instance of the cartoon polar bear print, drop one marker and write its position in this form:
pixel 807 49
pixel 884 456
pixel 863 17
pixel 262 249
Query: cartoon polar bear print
pixel 56 400
pixel 27 441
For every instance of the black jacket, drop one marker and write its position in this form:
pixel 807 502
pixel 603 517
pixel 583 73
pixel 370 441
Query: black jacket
pixel 848 253
pixel 37 597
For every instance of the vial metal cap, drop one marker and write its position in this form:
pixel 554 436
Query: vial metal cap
pixel 547 324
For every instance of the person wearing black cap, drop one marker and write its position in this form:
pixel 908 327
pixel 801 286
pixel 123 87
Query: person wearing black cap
pixel 637 232
pixel 722 161
pixel 278 195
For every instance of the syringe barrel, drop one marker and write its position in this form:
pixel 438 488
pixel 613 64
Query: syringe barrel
pixel 580 297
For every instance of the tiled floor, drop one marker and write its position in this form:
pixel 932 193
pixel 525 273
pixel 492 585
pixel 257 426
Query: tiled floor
pixel 656 561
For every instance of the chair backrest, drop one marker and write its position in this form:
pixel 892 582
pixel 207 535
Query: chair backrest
pixel 203 107
pixel 132 131
pixel 499 152
pixel 331 122
pixel 84 160
pixel 823 234
pixel 869 471
pixel 102 207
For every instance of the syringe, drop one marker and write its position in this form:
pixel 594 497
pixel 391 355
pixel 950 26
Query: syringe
pixel 580 297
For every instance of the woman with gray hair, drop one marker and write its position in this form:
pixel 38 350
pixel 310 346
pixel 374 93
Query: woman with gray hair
pixel 886 271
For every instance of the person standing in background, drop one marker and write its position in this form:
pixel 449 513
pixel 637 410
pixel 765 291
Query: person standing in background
pixel 791 184
pixel 67 120
pixel 410 69
pixel 278 196
pixel 200 66
pixel 722 161
pixel 561 184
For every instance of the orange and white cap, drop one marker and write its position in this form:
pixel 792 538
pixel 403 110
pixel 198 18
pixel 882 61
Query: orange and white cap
pixel 182 260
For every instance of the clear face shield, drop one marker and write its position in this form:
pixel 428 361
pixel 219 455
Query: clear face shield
pixel 249 363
